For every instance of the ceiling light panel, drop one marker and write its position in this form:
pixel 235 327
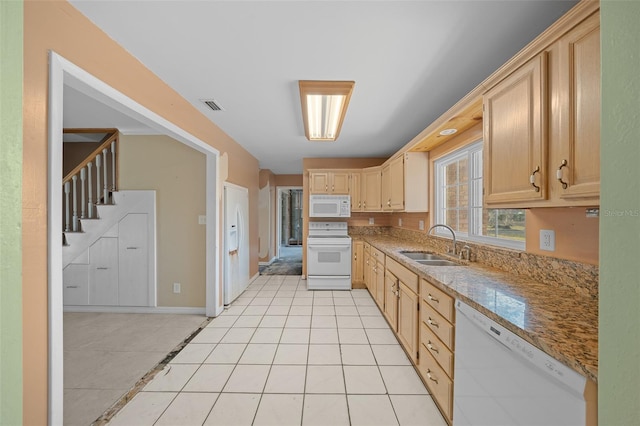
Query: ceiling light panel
pixel 324 105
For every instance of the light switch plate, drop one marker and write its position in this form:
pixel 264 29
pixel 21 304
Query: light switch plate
pixel 176 288
pixel 399 221
pixel 202 220
pixel 371 221
pixel 547 240
pixel 421 225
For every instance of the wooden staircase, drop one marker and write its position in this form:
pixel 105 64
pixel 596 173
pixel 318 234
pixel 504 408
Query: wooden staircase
pixel 89 188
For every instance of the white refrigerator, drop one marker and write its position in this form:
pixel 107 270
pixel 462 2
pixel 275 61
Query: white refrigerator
pixel 236 241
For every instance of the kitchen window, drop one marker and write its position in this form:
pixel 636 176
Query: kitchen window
pixel 458 202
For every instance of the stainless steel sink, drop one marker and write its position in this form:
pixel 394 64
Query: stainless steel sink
pixel 421 255
pixel 441 262
pixel 429 259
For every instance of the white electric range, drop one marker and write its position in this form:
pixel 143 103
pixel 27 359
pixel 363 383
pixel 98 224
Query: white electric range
pixel 328 256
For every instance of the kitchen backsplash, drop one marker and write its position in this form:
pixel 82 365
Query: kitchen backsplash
pixel 580 277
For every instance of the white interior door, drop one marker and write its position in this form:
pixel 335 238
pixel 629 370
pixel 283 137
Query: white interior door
pixel 236 241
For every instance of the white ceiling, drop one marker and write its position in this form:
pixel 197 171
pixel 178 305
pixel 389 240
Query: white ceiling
pixel 411 61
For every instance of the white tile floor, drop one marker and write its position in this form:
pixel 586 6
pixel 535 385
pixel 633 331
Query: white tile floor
pixel 282 355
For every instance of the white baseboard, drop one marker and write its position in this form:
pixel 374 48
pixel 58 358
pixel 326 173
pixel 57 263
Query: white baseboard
pixel 137 309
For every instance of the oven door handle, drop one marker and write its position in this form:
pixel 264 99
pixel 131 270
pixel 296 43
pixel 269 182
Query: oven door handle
pixel 325 248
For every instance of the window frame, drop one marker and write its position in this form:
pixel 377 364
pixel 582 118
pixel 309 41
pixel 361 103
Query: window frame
pixel 439 170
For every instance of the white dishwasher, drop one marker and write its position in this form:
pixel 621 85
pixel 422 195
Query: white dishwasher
pixel 501 379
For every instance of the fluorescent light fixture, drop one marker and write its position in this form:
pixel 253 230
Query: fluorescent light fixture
pixel 324 105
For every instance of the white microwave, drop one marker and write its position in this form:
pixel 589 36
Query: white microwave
pixel 329 205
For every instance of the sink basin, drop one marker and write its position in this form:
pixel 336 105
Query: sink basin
pixel 437 262
pixel 421 255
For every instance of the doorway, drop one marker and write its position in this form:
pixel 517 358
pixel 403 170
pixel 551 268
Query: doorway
pixel 289 226
pixel 64 73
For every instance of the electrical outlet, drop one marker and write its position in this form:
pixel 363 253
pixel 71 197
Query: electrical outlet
pixel 547 240
pixel 421 225
pixel 202 220
pixel 371 221
pixel 176 288
pixel 399 221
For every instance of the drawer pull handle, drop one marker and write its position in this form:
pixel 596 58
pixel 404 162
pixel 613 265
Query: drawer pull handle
pixel 433 299
pixel 72 286
pixel 101 268
pixel 132 248
pixel 432 348
pixel 431 377
pixel 433 323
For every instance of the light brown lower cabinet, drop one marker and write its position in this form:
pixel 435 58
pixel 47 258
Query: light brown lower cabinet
pixel 437 338
pixel 391 299
pixel 439 383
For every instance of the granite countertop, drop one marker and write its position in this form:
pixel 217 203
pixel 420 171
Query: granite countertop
pixel 556 320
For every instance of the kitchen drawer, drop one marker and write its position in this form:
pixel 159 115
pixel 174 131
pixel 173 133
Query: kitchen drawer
pixel 403 274
pixel 440 386
pixel 438 350
pixel 441 301
pixel 436 323
pixel 377 254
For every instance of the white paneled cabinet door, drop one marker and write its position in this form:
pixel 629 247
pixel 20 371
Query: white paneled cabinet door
pixel 133 251
pixel 76 284
pixel 103 272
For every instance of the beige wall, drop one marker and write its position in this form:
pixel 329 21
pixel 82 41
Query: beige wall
pixel 268 216
pixel 288 180
pixel 58 26
pixel 75 153
pixel 177 173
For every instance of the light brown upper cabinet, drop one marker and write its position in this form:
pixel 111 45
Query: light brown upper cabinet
pixel 371 180
pixel 328 182
pixel 393 185
pixel 575 115
pixel 355 190
pixel 515 144
pixel 404 183
pixel 547 108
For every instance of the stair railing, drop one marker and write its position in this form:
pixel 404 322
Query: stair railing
pixel 104 158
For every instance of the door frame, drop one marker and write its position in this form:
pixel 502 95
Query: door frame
pixel 63 72
pixel 279 191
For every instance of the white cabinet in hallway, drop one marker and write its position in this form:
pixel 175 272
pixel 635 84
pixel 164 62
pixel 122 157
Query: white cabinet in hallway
pixel 118 269
pixel 76 284
pixel 133 260
pixel 103 272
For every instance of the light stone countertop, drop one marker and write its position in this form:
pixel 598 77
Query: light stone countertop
pixel 556 320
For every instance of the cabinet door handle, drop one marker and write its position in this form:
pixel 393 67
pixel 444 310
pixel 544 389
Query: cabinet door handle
pixel 433 299
pixel 72 286
pixel 532 179
pixel 559 174
pixel 433 323
pixel 132 248
pixel 431 377
pixel 389 203
pixel 432 348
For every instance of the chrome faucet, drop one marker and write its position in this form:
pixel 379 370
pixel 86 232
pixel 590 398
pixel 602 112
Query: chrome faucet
pixel 453 250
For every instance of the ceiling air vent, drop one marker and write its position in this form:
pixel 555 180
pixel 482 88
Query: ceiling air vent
pixel 213 104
